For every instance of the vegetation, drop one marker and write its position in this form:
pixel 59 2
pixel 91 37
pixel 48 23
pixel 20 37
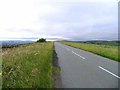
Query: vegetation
pixel 28 66
pixel 111 43
pixel 0 66
pixel 103 50
pixel 42 40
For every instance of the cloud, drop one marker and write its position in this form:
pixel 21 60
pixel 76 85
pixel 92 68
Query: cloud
pixel 73 20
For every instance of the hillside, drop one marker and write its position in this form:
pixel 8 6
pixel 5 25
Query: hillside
pixel 12 43
pixel 112 43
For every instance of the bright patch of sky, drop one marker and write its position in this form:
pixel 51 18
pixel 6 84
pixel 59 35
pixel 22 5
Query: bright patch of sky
pixel 59 19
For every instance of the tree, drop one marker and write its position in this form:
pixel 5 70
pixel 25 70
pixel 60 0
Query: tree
pixel 41 40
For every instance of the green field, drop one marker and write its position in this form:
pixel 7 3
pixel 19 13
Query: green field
pixel 103 50
pixel 28 66
pixel 110 43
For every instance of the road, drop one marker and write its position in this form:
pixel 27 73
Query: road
pixel 81 69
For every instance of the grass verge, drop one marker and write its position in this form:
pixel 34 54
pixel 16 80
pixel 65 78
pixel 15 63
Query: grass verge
pixel 103 50
pixel 28 66
pixel 56 71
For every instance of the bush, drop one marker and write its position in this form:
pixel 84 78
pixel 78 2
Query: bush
pixel 41 40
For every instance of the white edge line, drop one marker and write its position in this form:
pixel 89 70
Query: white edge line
pixel 78 55
pixel 109 72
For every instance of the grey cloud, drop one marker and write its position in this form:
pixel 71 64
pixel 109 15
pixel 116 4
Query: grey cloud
pixel 83 21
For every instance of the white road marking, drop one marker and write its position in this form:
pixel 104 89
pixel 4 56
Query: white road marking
pixel 109 72
pixel 78 55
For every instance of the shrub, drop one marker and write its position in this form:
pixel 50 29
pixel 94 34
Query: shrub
pixel 41 40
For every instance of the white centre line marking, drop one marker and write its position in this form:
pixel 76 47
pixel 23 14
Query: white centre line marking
pixel 78 55
pixel 109 72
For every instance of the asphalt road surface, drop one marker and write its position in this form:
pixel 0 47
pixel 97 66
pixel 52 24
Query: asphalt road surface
pixel 81 69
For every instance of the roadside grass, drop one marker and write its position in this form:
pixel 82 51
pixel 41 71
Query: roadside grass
pixel 0 67
pixel 108 51
pixel 0 73
pixel 28 66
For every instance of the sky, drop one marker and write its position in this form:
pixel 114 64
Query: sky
pixel 59 19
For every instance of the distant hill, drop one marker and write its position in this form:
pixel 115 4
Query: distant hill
pixel 13 43
pixel 99 42
pixel 113 43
